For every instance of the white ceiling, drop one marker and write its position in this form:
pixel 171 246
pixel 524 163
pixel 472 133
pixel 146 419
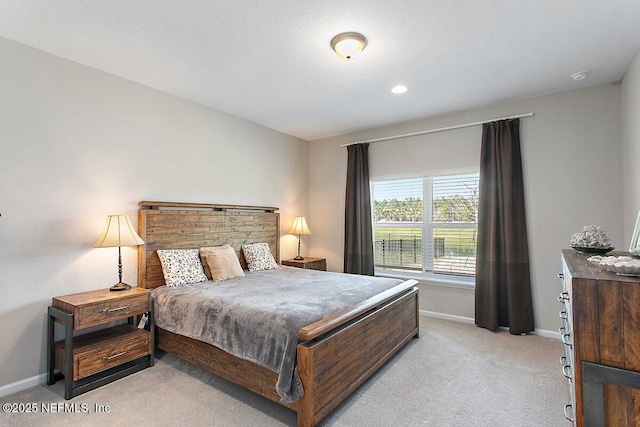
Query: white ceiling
pixel 269 61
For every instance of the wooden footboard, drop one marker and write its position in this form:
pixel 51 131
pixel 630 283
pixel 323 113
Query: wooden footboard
pixel 331 365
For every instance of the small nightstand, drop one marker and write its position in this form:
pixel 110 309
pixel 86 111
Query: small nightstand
pixel 90 360
pixel 307 263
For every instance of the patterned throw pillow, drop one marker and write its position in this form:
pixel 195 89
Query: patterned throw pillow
pixel 181 266
pixel 258 257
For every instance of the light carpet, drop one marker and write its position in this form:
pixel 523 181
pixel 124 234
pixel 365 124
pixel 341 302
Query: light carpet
pixel 455 374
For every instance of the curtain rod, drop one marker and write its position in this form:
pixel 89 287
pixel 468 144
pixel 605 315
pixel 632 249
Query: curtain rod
pixel 424 132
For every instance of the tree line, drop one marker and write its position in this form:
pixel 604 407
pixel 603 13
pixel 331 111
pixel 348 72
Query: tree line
pixel 456 208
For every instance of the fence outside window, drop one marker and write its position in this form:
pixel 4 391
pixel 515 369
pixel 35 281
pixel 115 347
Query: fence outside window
pixel 404 252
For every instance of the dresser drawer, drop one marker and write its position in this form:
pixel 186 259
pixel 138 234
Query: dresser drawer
pixel 98 314
pixel 105 349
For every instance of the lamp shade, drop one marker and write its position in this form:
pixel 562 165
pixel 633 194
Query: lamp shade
pixel 118 231
pixel 299 226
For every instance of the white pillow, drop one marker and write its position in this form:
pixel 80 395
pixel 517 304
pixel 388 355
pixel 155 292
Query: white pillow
pixel 181 266
pixel 258 257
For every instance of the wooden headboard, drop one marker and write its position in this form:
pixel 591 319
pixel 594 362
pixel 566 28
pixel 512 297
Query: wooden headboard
pixel 168 225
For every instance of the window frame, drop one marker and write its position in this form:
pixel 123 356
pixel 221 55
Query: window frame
pixel 427 225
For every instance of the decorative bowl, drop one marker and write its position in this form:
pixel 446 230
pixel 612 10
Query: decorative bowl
pixel 623 265
pixel 593 250
pixel 625 269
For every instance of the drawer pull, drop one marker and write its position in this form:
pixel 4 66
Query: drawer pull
pixel 105 358
pixel 566 371
pixel 564 336
pixel 566 414
pixel 111 310
pixel 564 296
pixel 563 315
pixel 560 275
pixel 565 367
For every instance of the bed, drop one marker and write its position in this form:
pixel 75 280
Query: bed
pixel 334 355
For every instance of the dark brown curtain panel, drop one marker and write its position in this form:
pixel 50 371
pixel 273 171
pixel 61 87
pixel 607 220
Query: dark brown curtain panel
pixel 503 284
pixel 358 235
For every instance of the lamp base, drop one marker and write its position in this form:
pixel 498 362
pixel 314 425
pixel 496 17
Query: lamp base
pixel 298 258
pixel 120 287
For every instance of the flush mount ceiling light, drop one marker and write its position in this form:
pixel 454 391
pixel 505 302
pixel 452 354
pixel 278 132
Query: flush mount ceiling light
pixel 581 75
pixel 348 45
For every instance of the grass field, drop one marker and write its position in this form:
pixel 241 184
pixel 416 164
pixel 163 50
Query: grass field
pixel 461 240
pixel 401 248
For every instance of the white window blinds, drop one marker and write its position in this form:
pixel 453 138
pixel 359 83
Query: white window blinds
pixel 426 224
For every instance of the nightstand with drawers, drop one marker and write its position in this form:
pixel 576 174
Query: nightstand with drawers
pixel 307 263
pixel 93 359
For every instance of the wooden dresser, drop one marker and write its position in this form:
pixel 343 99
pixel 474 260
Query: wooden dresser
pixel 601 336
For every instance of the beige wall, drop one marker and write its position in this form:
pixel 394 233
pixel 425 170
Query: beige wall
pixel 631 145
pixel 572 160
pixel 77 145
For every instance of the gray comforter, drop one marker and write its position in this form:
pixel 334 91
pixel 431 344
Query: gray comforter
pixel 257 317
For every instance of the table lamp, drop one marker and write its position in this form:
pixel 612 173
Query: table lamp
pixel 299 227
pixel 119 232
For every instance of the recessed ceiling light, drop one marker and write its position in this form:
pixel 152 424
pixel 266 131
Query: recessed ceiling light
pixel 399 89
pixel 581 75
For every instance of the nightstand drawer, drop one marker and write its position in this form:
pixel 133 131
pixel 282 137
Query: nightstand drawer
pixel 98 314
pixel 307 263
pixel 101 350
pixel 319 264
pixel 103 306
pixel 91 362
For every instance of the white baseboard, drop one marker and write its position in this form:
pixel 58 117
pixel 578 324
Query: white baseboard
pixel 17 386
pixel 444 316
pixel 547 334
pixel 472 321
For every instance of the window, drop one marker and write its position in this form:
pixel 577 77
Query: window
pixel 426 224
